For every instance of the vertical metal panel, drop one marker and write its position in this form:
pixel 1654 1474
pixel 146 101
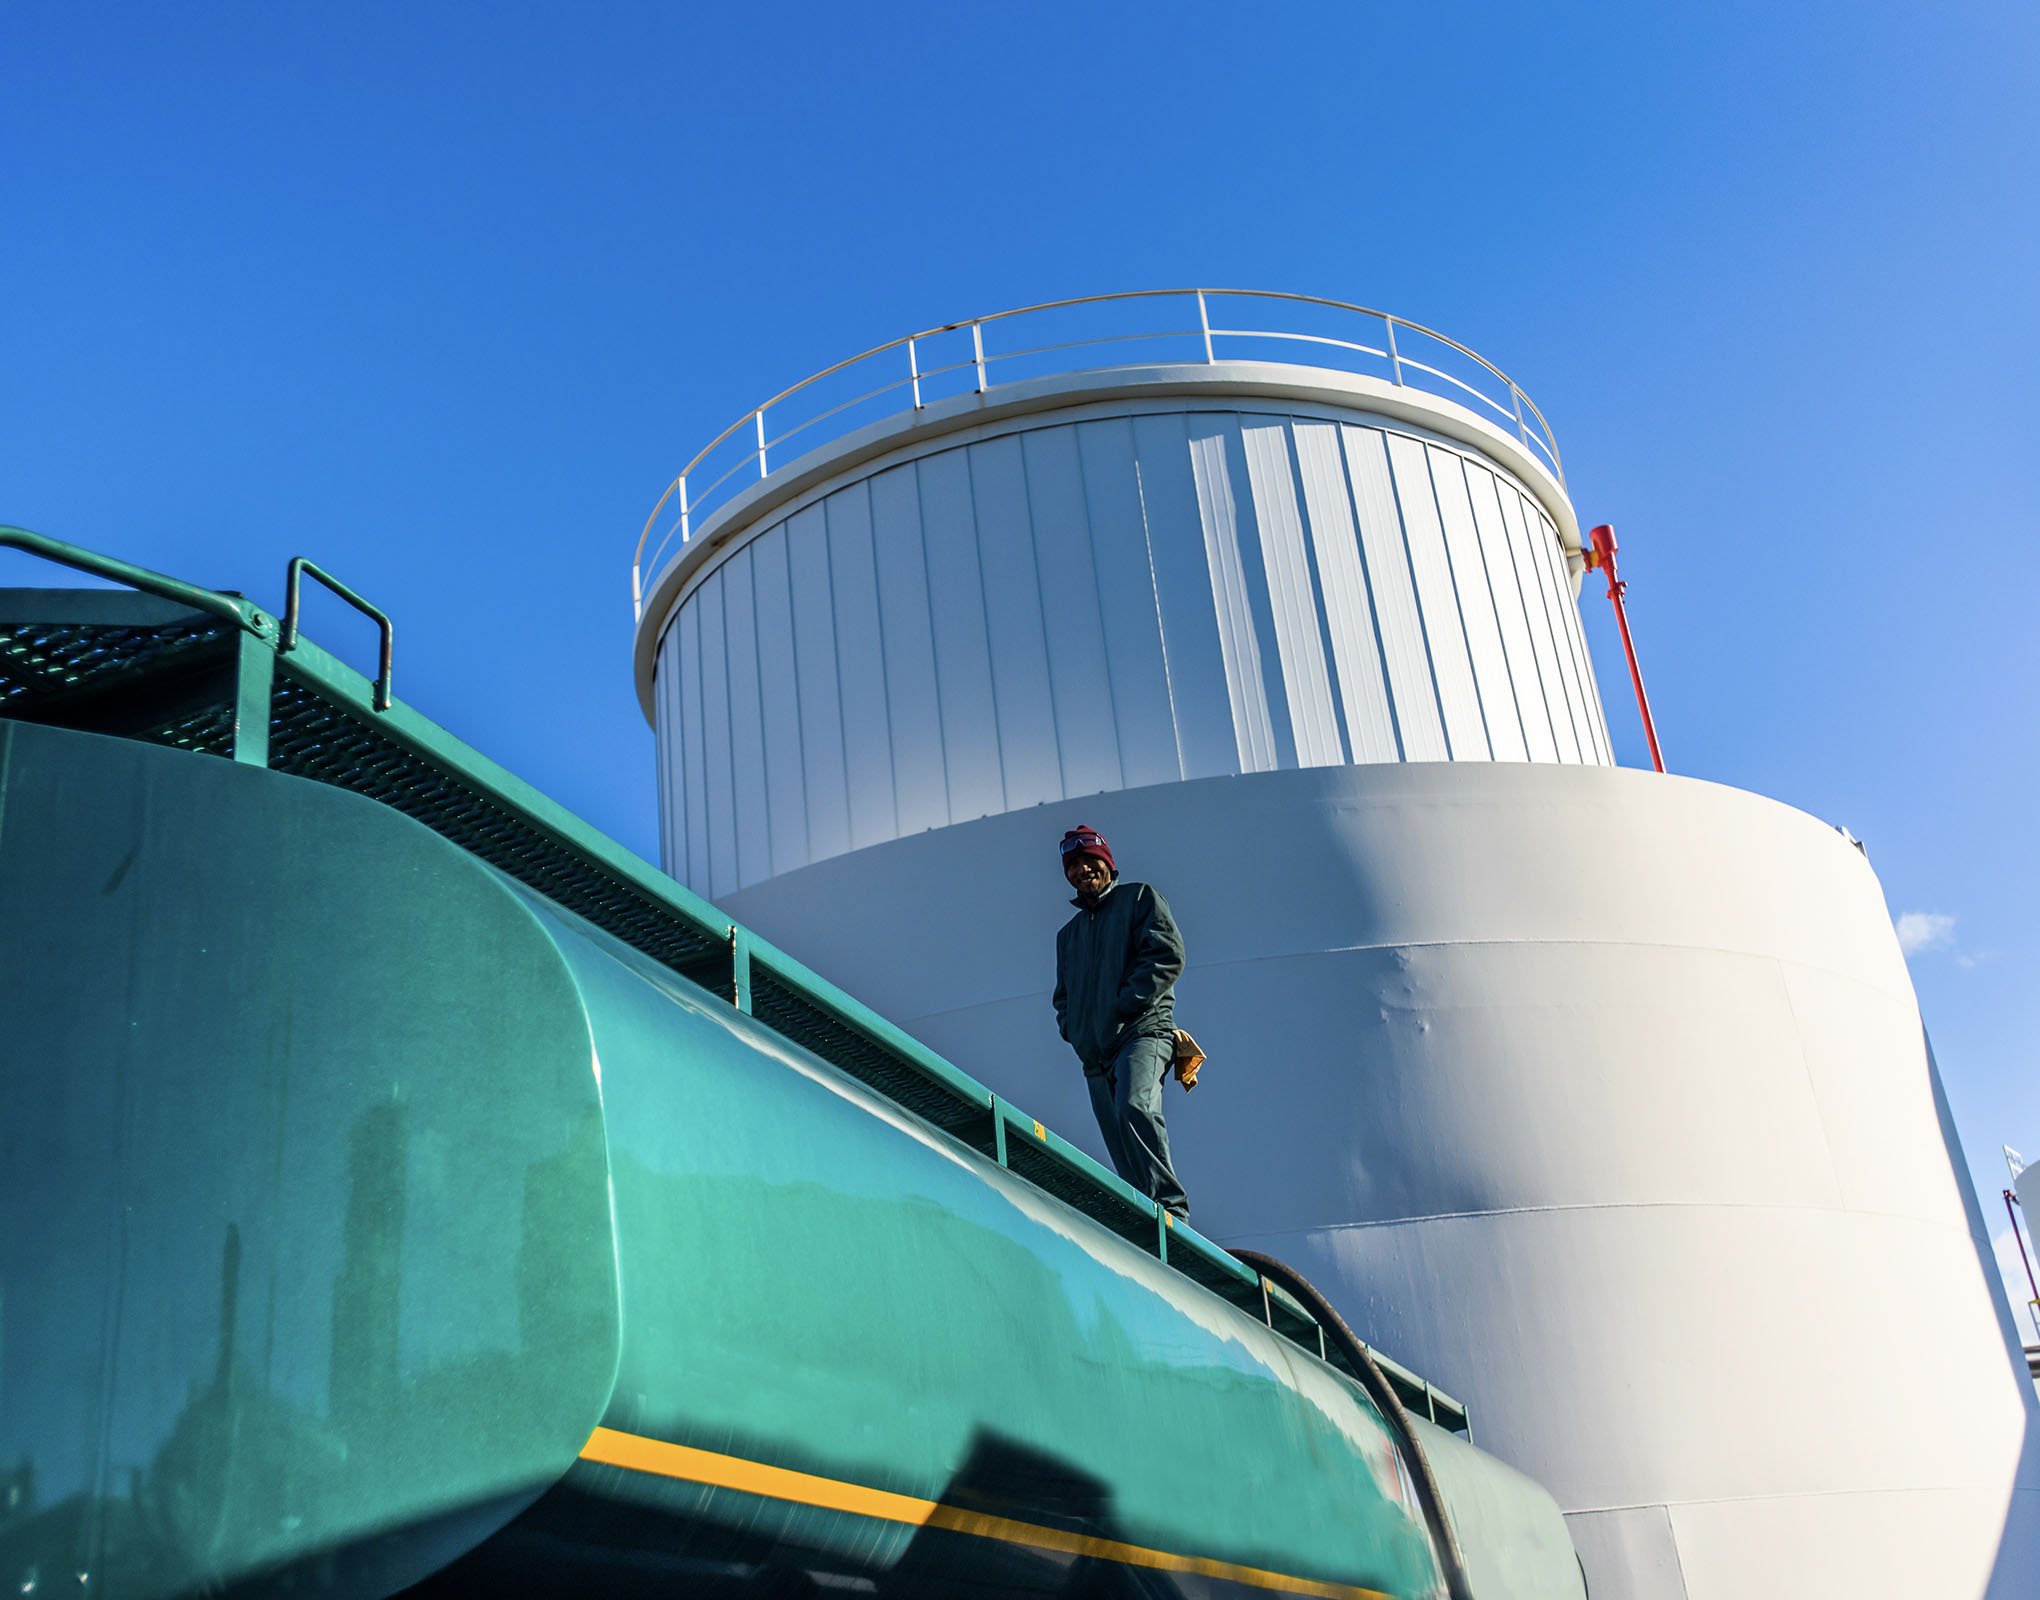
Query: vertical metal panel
pixel 1597 709
pixel 1477 607
pixel 666 730
pixel 1525 670
pixel 1204 720
pixel 956 599
pixel 821 701
pixel 1558 608
pixel 1144 715
pixel 912 691
pixel 1566 609
pixel 693 747
pixel 1451 668
pixel 668 748
pixel 860 668
pixel 1349 616
pixel 1253 569
pixel 715 722
pixel 1292 594
pixel 779 698
pixel 1531 574
pixel 1419 727
pixel 1238 632
pixel 1086 724
pixel 747 730
pixel 1027 745
pixel 686 732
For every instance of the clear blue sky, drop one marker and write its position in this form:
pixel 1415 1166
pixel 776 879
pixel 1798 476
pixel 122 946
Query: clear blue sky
pixel 443 295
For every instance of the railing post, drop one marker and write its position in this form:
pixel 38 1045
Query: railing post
pixel 759 417
pixel 1204 322
pixel 977 344
pixel 914 368
pixel 1394 356
pixel 683 508
pixel 1522 428
pixel 740 968
pixel 254 683
pixel 998 1131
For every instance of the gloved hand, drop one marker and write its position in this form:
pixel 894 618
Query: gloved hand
pixel 1188 1060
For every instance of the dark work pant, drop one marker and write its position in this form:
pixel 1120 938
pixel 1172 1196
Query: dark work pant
pixel 1127 1100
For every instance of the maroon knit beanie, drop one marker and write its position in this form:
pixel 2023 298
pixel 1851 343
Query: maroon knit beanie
pixel 1087 841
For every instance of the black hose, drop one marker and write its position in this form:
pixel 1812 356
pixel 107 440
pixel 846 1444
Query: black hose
pixel 1432 1501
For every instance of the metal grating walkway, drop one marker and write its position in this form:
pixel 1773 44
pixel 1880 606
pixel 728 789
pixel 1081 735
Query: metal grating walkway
pixel 311 737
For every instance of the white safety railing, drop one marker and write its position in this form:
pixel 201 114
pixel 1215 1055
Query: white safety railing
pixel 937 363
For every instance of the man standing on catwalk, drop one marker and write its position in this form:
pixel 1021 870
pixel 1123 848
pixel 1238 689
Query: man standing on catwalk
pixel 1116 965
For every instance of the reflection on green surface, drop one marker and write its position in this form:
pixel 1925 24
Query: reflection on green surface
pixel 298 1116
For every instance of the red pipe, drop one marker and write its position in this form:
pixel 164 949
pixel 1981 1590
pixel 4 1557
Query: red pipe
pixel 1601 554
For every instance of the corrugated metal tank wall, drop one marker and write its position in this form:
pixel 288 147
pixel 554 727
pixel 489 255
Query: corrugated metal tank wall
pixel 1072 607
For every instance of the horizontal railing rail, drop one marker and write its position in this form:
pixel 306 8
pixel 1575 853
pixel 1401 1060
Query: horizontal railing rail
pixel 1407 354
pixel 110 569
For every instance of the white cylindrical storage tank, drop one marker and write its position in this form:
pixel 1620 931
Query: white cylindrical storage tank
pixel 1100 581
pixel 1599 1096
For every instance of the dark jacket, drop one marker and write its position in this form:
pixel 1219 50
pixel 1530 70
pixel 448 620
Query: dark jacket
pixel 1116 965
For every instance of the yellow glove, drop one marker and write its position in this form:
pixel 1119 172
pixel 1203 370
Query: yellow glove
pixel 1188 1060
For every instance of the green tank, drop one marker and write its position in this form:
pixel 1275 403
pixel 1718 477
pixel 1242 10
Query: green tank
pixel 447 1201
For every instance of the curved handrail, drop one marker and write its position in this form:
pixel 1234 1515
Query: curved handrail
pixel 300 567
pixel 1507 400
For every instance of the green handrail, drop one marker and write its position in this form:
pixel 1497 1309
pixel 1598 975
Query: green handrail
pixel 211 601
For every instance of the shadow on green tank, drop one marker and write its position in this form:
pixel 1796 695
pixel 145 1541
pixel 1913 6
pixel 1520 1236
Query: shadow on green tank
pixel 787 1555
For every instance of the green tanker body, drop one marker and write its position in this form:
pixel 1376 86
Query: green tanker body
pixel 446 1201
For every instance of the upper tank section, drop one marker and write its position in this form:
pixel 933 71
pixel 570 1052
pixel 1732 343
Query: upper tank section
pixel 1000 567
